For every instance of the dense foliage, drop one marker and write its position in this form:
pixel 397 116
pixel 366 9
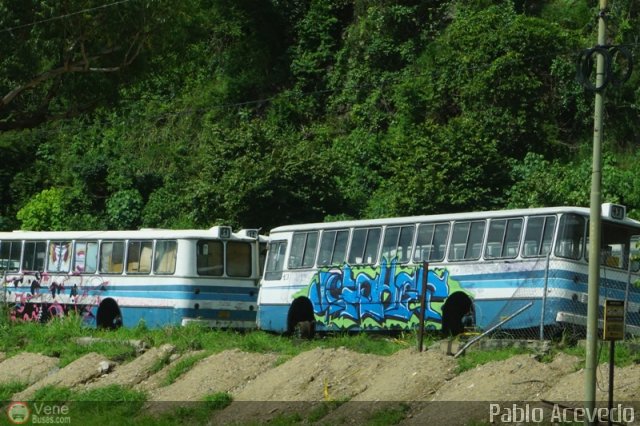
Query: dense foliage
pixel 159 113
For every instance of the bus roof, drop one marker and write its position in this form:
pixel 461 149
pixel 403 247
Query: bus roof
pixel 446 217
pixel 145 233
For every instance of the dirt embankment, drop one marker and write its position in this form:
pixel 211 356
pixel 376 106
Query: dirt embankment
pixel 263 386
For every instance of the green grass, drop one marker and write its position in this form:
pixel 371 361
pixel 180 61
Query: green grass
pixel 388 416
pixel 625 352
pixel 474 358
pixel 182 367
pixel 8 389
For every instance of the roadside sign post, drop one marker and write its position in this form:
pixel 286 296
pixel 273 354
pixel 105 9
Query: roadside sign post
pixel 613 330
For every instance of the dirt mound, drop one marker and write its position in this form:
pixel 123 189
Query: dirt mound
pixel 27 368
pixel 329 386
pixel 222 372
pixel 626 385
pixel 136 371
pixel 76 373
pixel 519 378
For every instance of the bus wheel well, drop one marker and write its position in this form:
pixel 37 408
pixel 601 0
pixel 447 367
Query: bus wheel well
pixel 109 315
pixel 300 321
pixel 456 310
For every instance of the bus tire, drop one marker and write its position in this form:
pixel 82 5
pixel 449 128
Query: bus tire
pixel 304 330
pixel 109 315
pixel 455 309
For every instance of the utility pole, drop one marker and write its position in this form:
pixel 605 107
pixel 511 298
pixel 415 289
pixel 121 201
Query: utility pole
pixel 595 223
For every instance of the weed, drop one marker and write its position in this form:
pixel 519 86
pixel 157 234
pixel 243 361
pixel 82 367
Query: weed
pixel 181 367
pixel 10 388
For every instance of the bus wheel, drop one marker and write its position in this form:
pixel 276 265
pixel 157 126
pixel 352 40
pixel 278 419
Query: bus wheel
pixel 455 311
pixel 304 330
pixel 300 321
pixel 109 315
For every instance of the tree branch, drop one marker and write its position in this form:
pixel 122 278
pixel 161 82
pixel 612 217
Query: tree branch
pixel 82 65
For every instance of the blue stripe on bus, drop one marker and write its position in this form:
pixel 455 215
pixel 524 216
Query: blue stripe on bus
pixel 172 295
pixel 204 288
pixel 159 317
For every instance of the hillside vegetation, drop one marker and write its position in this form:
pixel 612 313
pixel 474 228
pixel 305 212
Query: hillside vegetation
pixel 159 113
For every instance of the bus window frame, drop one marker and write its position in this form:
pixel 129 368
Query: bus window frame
pixel 561 251
pixel 164 256
pixel 365 246
pixel 281 260
pixel 332 261
pixel 303 261
pixel 248 261
pixel 210 270
pixel 409 249
pixel 468 245
pixel 130 263
pixel 52 248
pixel 541 249
pixel 504 242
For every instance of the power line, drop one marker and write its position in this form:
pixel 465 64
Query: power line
pixel 57 18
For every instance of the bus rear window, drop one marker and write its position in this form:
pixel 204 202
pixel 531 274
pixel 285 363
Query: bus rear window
pixel 210 258
pixel 238 259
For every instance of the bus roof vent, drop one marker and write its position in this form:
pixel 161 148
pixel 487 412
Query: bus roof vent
pixel 249 233
pixel 223 232
pixel 614 211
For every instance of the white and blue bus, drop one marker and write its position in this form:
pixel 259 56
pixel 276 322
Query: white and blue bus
pixel 483 268
pixel 112 278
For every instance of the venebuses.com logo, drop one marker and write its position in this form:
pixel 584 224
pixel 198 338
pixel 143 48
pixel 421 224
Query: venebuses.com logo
pixel 18 413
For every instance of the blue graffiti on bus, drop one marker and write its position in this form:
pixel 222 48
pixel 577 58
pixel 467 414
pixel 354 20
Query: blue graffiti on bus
pixel 387 295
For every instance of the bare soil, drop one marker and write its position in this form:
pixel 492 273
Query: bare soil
pixel 263 386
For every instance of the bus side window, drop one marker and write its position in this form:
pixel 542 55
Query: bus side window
pixel 571 236
pixel 164 262
pixel 634 253
pixel 35 253
pixel 538 236
pixel 139 257
pixel 210 258
pixel 59 256
pixel 431 242
pixel 10 252
pixel 112 257
pixel 275 260
pixel 364 246
pixel 397 243
pixel 85 257
pixel 503 238
pixel 238 259
pixel 466 240
pixel 303 249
